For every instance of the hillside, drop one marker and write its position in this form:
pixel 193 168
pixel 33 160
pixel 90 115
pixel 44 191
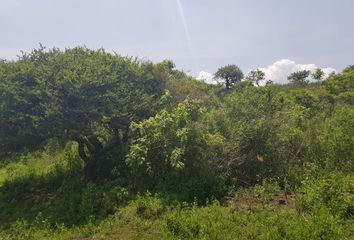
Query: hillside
pixel 94 145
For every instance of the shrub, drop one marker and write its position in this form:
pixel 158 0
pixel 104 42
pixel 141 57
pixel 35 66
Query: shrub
pixel 332 191
pixel 148 206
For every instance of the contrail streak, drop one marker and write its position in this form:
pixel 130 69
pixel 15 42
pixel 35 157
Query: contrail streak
pixel 186 31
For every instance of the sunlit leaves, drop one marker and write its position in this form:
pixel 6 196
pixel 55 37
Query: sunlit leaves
pixel 165 138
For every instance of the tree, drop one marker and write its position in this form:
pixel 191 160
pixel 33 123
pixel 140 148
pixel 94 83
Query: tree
pixel 341 83
pixel 269 82
pixel 231 74
pixel 318 74
pixel 299 78
pixel 348 69
pixel 256 76
pixel 82 95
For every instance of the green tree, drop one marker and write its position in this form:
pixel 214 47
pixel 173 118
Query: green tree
pixel 349 68
pixel 340 83
pixel 256 76
pixel 318 74
pixel 82 95
pixel 300 77
pixel 231 74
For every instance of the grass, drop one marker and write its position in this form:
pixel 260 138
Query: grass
pixel 42 196
pixel 212 221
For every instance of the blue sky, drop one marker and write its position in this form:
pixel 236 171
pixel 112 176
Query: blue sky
pixel 249 33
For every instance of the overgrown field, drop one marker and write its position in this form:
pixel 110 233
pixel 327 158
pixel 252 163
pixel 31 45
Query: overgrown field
pixel 97 146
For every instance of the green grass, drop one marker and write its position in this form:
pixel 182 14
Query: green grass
pixel 158 221
pixel 42 196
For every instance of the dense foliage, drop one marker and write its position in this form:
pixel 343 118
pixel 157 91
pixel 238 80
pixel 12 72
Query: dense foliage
pixel 230 74
pixel 299 77
pixel 79 95
pixel 95 144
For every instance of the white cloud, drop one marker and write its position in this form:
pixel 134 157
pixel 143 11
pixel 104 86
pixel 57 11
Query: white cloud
pixel 280 70
pixel 206 77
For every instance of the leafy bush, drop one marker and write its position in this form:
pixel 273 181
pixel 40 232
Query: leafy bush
pixel 169 152
pixel 332 191
pixel 148 206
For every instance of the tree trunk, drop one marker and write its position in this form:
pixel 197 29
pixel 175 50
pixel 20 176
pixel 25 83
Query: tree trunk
pixel 90 149
pixel 90 160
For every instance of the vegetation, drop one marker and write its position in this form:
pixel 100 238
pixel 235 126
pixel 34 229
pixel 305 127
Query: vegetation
pixel 97 146
pixel 230 74
pixel 318 74
pixel 256 76
pixel 300 77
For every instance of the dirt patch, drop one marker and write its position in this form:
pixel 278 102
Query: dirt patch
pixel 282 200
pixel 247 201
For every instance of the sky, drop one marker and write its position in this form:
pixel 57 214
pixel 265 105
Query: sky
pixel 198 35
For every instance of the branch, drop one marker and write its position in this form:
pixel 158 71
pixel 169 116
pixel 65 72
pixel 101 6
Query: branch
pixel 81 149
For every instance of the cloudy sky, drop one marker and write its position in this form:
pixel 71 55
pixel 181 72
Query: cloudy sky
pixel 198 35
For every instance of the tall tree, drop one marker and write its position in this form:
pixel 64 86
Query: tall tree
pixel 231 74
pixel 82 95
pixel 256 76
pixel 300 77
pixel 318 74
